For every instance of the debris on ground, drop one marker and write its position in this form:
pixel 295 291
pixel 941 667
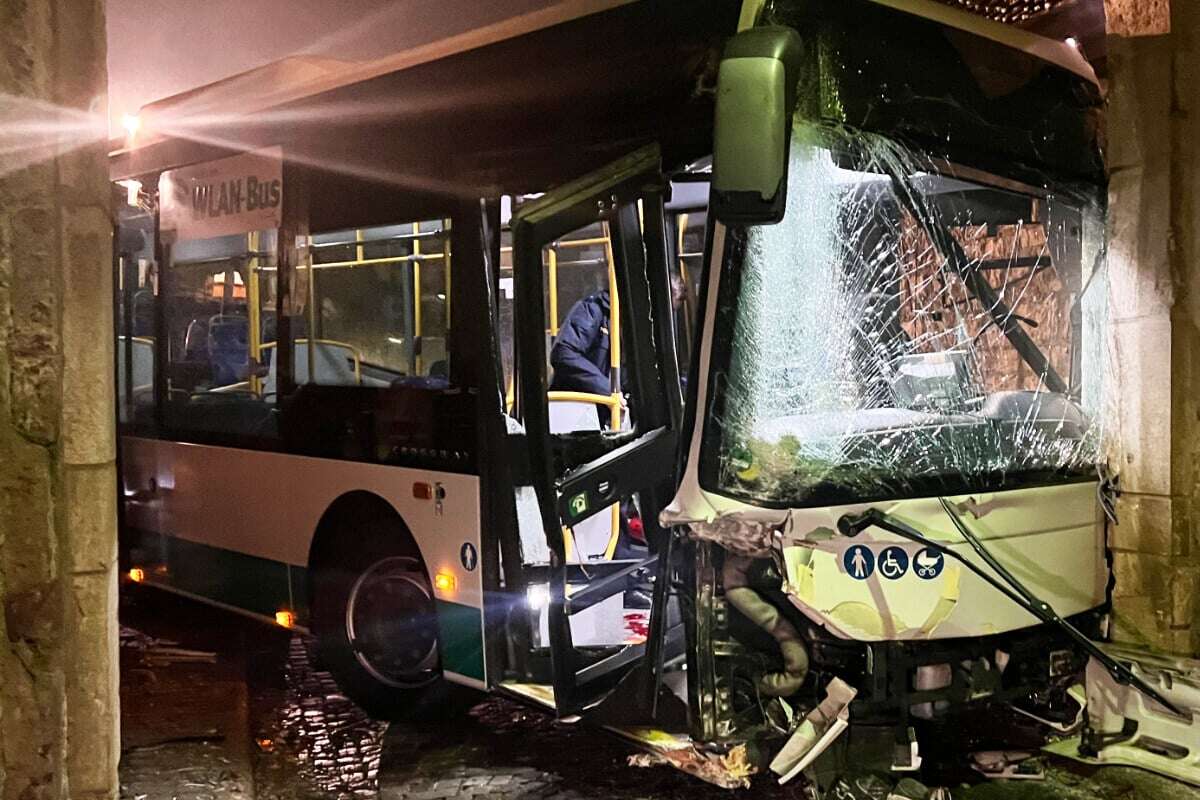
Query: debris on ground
pixel 1007 765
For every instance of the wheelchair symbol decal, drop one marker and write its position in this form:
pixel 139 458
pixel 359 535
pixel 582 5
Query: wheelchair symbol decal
pixel 859 562
pixel 928 564
pixel 893 562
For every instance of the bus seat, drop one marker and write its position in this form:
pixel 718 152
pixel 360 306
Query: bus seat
pixel 143 366
pixel 568 416
pixel 334 364
pixel 589 538
pixel 228 348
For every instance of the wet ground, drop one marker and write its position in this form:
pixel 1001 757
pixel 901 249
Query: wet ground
pixel 217 707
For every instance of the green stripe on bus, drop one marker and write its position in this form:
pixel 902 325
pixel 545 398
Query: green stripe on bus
pixel 260 586
pixel 462 638
pixel 257 585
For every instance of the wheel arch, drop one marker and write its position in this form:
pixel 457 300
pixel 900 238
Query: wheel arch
pixel 340 517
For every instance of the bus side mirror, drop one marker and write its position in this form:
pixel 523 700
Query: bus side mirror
pixel 756 94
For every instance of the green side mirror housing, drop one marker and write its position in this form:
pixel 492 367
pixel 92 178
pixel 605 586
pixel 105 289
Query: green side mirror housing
pixel 756 94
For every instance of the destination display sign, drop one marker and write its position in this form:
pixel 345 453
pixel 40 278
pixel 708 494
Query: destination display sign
pixel 238 194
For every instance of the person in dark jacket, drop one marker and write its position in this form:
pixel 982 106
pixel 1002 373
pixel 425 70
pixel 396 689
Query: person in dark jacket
pixel 580 358
pixel 580 355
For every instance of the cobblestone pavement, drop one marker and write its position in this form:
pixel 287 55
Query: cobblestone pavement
pixel 217 707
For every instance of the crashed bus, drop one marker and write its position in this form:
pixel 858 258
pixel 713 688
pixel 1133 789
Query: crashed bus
pixel 871 491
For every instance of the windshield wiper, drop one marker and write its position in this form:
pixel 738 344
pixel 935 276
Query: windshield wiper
pixel 853 524
pixel 1001 315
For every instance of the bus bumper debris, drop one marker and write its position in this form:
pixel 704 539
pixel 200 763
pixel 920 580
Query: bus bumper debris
pixel 819 728
pixel 1124 727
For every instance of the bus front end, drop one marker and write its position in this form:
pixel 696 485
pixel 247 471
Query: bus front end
pixel 896 454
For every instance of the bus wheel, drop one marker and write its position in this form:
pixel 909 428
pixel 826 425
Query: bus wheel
pixel 376 627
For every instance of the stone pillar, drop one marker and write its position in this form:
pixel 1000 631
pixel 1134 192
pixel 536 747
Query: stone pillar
pixel 58 631
pixel 1155 268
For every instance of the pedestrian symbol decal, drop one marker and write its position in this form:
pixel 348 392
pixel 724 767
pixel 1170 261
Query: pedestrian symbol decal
pixel 928 564
pixel 468 556
pixel 893 562
pixel 859 562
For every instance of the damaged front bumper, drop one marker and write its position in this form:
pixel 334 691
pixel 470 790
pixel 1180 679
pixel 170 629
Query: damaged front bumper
pixel 1125 727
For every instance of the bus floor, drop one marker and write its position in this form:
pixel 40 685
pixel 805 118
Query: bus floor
pixel 217 707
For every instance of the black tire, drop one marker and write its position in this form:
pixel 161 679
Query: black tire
pixel 376 626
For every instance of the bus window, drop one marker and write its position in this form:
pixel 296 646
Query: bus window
pixel 378 306
pixel 219 308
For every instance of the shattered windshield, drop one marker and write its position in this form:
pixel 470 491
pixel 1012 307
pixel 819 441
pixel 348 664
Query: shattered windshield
pixel 904 331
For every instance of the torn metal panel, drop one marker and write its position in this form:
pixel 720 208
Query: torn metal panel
pixel 1124 727
pixel 816 732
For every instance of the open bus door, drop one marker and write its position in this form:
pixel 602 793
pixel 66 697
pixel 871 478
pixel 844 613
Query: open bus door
pixel 621 467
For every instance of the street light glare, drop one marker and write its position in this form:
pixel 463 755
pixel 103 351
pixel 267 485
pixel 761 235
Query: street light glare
pixel 131 123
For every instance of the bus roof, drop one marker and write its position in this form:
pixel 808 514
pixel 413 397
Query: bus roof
pixel 550 51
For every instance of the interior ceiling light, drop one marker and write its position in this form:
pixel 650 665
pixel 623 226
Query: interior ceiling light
pixel 1010 11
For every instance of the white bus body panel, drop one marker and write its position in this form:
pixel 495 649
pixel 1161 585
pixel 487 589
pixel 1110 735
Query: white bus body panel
pixel 268 505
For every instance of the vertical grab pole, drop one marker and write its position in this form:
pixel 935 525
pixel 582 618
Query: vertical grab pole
pixel 416 273
pixel 253 315
pixel 614 331
pixel 614 371
pixel 446 269
pixel 310 351
pixel 552 270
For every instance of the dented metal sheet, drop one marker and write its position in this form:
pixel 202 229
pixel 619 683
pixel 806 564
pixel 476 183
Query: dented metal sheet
pixel 1124 727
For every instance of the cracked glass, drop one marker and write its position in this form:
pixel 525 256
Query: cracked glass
pixel 908 329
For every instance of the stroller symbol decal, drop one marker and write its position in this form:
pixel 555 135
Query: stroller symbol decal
pixel 928 564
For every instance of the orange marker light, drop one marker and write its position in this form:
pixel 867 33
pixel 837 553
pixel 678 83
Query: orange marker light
pixel 137 574
pixel 444 582
pixel 423 491
pixel 285 619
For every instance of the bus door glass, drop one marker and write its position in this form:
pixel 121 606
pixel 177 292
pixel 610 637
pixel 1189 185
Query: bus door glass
pixel 595 355
pixel 136 282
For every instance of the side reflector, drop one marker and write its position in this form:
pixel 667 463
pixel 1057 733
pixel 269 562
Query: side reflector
pixel 423 491
pixel 137 574
pixel 285 619
pixel 444 582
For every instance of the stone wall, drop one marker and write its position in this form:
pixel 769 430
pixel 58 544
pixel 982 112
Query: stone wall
pixel 58 637
pixel 1153 258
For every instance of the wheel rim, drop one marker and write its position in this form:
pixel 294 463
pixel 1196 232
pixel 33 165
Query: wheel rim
pixel 390 623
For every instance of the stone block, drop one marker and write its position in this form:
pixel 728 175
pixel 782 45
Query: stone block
pixel 1139 103
pixel 1139 230
pixel 1138 621
pixel 1184 581
pixel 92 517
pixel 1141 575
pixel 1145 525
pixel 88 399
pixel 1138 17
pixel 1142 385
pixel 93 692
pixel 28 548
